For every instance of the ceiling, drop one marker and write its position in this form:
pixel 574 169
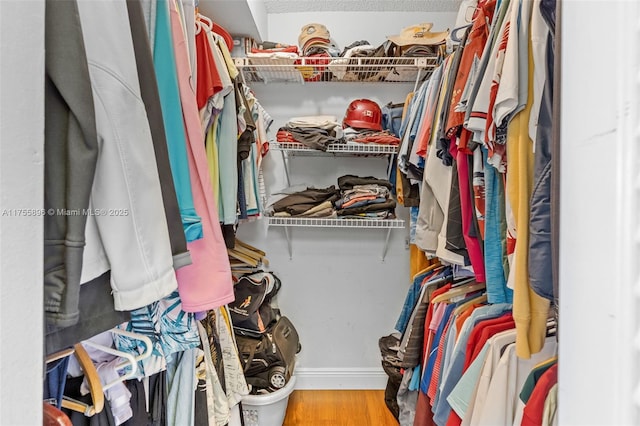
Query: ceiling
pixel 289 6
pixel 249 17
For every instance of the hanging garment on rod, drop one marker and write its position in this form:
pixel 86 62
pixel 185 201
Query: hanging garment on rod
pixel 144 272
pixel 165 68
pixel 71 152
pixel 151 99
pixel 206 284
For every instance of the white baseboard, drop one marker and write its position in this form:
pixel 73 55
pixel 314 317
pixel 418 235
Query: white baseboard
pixel 340 378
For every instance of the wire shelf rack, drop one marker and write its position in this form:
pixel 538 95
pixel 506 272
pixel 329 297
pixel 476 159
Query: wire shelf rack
pixel 335 69
pixel 336 148
pixel 336 222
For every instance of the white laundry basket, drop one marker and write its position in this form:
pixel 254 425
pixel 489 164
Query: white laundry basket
pixel 267 409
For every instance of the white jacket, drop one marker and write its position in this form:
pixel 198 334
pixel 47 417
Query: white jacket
pixel 127 232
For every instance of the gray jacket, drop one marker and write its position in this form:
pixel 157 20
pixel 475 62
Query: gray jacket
pixel 71 151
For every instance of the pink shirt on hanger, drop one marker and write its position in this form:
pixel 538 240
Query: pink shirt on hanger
pixel 206 283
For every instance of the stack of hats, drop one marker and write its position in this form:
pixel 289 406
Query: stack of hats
pixel 314 38
pixel 315 43
pixel 418 40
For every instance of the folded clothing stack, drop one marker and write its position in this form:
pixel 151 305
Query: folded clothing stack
pixel 365 198
pixel 309 202
pixel 356 197
pixel 317 131
pixel 383 137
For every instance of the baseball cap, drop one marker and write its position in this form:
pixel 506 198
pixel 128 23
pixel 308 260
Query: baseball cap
pixel 310 31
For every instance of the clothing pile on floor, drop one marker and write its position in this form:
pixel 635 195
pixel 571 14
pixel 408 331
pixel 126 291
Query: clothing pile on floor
pixel 356 197
pixel 316 132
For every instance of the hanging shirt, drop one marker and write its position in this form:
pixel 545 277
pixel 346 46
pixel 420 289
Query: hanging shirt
pixel 509 376
pixel 216 102
pixel 529 309
pixel 165 65
pixel 476 41
pixel 454 372
pixel 205 284
pixel 209 82
pixel 481 116
pixel 467 210
pixel 539 36
pixel 227 143
pixel 468 389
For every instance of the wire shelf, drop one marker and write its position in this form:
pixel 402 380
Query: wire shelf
pixel 335 222
pixel 336 148
pixel 335 69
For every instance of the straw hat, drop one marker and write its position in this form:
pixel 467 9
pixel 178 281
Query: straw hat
pixel 419 34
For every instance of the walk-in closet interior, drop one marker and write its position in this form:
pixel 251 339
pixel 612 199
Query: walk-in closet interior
pixel 208 206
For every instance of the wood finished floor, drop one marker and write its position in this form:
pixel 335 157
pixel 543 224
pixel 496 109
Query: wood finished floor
pixel 338 408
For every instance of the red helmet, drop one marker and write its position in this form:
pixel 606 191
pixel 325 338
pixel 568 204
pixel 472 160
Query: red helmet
pixel 363 114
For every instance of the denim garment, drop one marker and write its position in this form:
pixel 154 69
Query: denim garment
pixel 392 118
pixel 413 295
pixel 540 256
pixel 56 378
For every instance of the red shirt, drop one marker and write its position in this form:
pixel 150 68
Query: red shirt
pixel 476 333
pixel 534 410
pixel 208 79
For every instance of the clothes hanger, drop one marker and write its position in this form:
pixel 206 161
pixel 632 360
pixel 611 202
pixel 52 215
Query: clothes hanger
pixel 433 267
pixel 250 247
pixel 93 379
pixel 207 21
pixel 247 260
pixel 130 362
pixel 252 254
pixel 454 33
pixel 461 281
pixel 148 346
pixel 480 299
pixel 458 291
pixel 59 355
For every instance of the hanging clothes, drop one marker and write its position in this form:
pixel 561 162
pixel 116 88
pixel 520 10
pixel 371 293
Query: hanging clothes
pixel 151 99
pixel 165 66
pixel 126 194
pixel 206 284
pixel 71 152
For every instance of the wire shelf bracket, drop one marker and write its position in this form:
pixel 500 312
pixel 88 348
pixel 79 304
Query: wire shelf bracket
pixel 292 222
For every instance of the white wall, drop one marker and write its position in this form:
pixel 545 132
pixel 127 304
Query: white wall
pixel 21 187
pixel 599 369
pixel 339 294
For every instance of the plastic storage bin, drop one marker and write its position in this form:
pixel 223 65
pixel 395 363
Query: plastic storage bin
pixel 267 409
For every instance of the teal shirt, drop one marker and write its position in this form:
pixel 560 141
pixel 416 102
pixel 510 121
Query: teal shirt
pixel 166 74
